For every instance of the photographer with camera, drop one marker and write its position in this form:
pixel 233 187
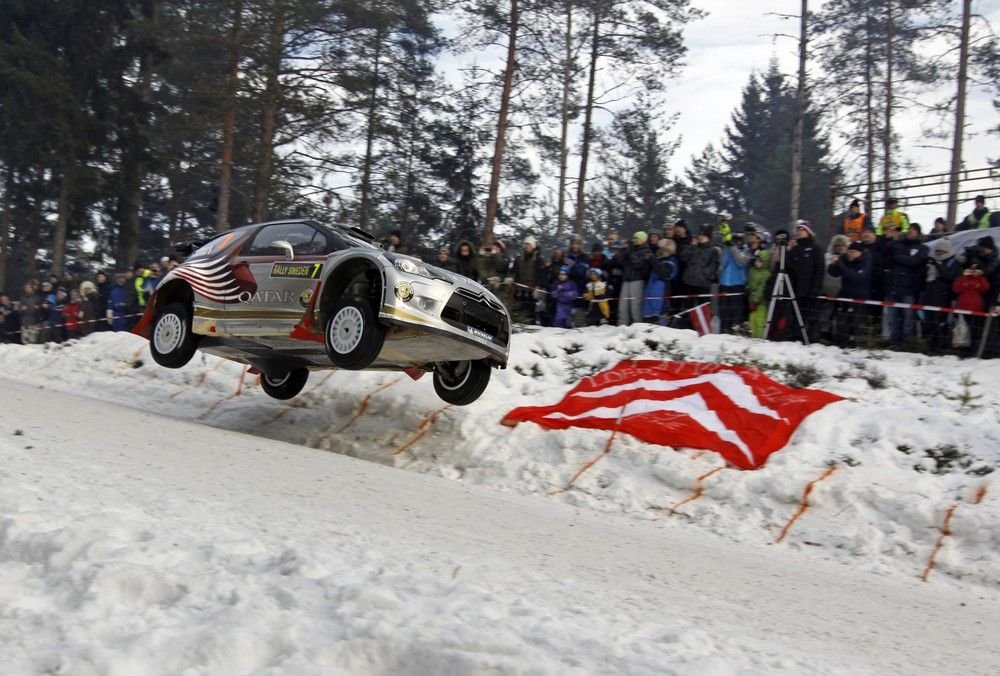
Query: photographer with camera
pixel 806 266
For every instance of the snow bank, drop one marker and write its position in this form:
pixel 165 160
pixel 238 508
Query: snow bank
pixel 917 435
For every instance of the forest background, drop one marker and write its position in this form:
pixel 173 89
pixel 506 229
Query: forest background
pixel 127 125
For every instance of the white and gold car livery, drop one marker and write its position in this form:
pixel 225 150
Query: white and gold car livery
pixel 290 297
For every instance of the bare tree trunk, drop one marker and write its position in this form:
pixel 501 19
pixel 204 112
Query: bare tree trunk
pixel 366 172
pixel 887 132
pixel 268 123
pixel 229 122
pixel 498 150
pixel 800 104
pixel 5 223
pixel 956 148
pixel 62 219
pixel 133 166
pixel 564 138
pixel 869 115
pixel 588 132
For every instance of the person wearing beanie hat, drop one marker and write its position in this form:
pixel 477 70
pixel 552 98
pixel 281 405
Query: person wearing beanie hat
pixel 805 264
pixel 853 222
pixel 664 270
pixel 893 219
pixel 527 273
pixel 943 268
pixel 491 265
pixel 803 226
pixel 978 218
pixel 986 242
pixel 564 293
pixel 905 258
pixel 701 265
pixel 635 261
pixel 854 270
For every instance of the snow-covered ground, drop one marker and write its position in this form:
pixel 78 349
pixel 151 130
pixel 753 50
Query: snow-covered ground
pixel 135 543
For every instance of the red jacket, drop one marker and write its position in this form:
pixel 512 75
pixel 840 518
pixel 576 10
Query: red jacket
pixel 970 290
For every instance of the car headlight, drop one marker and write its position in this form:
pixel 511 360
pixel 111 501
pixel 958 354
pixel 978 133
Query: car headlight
pixel 411 266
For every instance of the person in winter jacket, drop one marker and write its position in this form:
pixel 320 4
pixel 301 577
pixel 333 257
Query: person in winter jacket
pixel 733 279
pixel 758 274
pixel 907 258
pixel 564 292
pixel 805 265
pixel 664 270
pixel 465 261
pixel 595 294
pixel 943 268
pixel 854 270
pixel 72 312
pixel 853 222
pixel 443 259
pixel 978 218
pixel 118 305
pixel 10 320
pixel 972 287
pixel 702 262
pixel 91 311
pixel 103 285
pixel 892 219
pixel 526 274
pixel 491 264
pixel 636 261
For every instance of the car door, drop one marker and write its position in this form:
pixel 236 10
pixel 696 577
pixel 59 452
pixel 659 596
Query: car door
pixel 284 285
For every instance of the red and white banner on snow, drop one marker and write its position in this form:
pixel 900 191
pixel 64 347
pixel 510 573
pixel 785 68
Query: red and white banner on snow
pixel 736 411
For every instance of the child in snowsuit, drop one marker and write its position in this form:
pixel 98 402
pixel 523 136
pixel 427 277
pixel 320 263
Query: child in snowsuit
pixel 564 292
pixel 598 310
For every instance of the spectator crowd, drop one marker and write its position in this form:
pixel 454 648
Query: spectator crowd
pixel 658 277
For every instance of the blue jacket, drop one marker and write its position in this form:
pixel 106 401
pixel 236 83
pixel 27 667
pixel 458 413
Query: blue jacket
pixel 734 267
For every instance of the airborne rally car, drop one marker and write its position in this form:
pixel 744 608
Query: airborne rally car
pixel 289 297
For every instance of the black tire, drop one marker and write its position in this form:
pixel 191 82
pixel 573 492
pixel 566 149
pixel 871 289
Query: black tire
pixel 286 385
pixel 461 382
pixel 171 341
pixel 353 336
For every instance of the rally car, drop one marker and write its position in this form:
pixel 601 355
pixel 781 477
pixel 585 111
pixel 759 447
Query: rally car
pixel 290 297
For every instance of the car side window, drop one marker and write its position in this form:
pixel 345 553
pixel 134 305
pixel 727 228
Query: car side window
pixel 305 240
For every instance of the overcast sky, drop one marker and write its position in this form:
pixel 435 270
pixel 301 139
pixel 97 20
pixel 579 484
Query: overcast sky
pixel 737 38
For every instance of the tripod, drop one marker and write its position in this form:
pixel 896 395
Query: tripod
pixel 783 285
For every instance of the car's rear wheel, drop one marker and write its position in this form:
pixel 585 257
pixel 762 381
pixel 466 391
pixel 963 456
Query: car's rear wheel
pixel 461 382
pixel 353 336
pixel 172 342
pixel 284 385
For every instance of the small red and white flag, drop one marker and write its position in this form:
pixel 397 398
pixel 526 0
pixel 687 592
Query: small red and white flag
pixel 736 411
pixel 701 318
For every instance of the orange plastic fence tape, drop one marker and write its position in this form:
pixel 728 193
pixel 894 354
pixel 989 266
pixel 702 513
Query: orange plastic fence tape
pixel 422 429
pixel 587 465
pixel 945 531
pixel 199 380
pixel 804 505
pixel 699 488
pixel 239 390
pixel 364 403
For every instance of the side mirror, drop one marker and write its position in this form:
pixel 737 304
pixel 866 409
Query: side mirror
pixel 286 247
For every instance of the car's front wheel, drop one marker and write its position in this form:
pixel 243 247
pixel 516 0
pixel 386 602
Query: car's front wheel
pixel 353 336
pixel 461 382
pixel 284 385
pixel 172 342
